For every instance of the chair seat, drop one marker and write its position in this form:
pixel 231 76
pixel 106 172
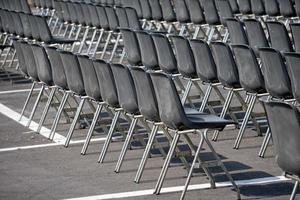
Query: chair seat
pixel 203 121
pixel 60 40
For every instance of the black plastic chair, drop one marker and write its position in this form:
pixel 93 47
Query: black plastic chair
pixel 174 117
pixel 236 31
pixel 252 80
pixel 292 63
pixel 272 8
pixel 131 47
pixel 295 29
pixel 257 7
pixel 286 138
pixel 245 7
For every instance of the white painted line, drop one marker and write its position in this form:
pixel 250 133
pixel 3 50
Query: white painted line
pixel 17 91
pixel 33 125
pixel 258 181
pixel 51 144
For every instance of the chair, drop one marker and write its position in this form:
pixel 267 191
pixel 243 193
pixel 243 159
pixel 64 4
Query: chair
pixel 272 8
pixel 286 138
pixel 292 63
pixel 257 7
pixel 131 47
pixel 197 17
pixel 174 117
pixel 245 7
pixel 251 80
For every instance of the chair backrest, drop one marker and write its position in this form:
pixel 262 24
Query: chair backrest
pixel 145 94
pixel 87 18
pixel 279 36
pixel 122 17
pixel 271 7
pixel 58 72
pixel 156 11
pixel 182 13
pixel 250 75
pixel 295 29
pixel 166 59
pixel 205 64
pixel 43 28
pixel 297 7
pixel 284 123
pixel 286 8
pixel 170 108
pixel 89 76
pixel 20 55
pixel 236 31
pixel 35 28
pixel 226 66
pixel 30 61
pixel 25 7
pixel 73 72
pixel 112 18
pixel 42 64
pixel 275 73
pixel 256 34
pixel 134 4
pixel 195 11
pixel 94 16
pixel 257 7
pixel 185 57
pixel 234 6
pixel 103 20
pixel 244 6
pixel 146 9
pixel 76 12
pixel 107 82
pixel 131 47
pixel 224 10
pixel 65 11
pixel 133 20
pixel 167 10
pixel 17 24
pixel 125 88
pixel 292 63
pixel 211 12
pixel 147 50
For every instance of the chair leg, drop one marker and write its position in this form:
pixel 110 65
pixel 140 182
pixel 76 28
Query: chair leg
pixel 146 154
pixel 211 34
pixel 293 195
pixel 265 144
pixel 97 43
pixel 91 130
pixel 224 111
pixel 27 100
pixel 221 164
pixel 58 114
pixel 86 32
pixel 205 98
pixel 74 122
pixel 35 105
pixel 126 145
pixel 109 137
pixel 166 164
pixel 245 122
pixel 106 45
pixel 115 48
pixel 92 40
pixel 186 92
pixel 46 109
pixel 192 168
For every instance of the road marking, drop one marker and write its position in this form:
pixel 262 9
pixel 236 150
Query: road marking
pixel 52 144
pixel 33 125
pixel 17 91
pixel 258 181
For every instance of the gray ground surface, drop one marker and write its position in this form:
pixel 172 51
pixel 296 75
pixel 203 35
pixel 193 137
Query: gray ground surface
pixel 57 173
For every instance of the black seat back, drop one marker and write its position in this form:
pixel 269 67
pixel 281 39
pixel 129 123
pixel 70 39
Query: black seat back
pixel 125 88
pixel 167 10
pixel 271 7
pixel 211 12
pixel 244 6
pixel 295 29
pixel 292 63
pixel 131 46
pixel 30 61
pixel 256 34
pixel 145 94
pixel 257 7
pixel 20 55
pixel 236 31
pixel 195 11
pixel 181 10
pixel 275 73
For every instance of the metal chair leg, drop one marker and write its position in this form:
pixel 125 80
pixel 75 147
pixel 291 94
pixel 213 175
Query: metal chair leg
pixel 115 48
pixel 265 144
pixel 35 105
pixel 46 109
pixel 245 122
pixel 73 124
pixel 27 100
pixel 58 114
pixel 92 40
pixel 146 154
pixel 186 92
pixel 91 130
pixel 293 195
pixel 109 137
pixel 166 164
pixel 106 45
pixel 224 111
pixel 97 43
pixel 205 98
pixel 188 179
pixel 86 32
pixel 126 145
